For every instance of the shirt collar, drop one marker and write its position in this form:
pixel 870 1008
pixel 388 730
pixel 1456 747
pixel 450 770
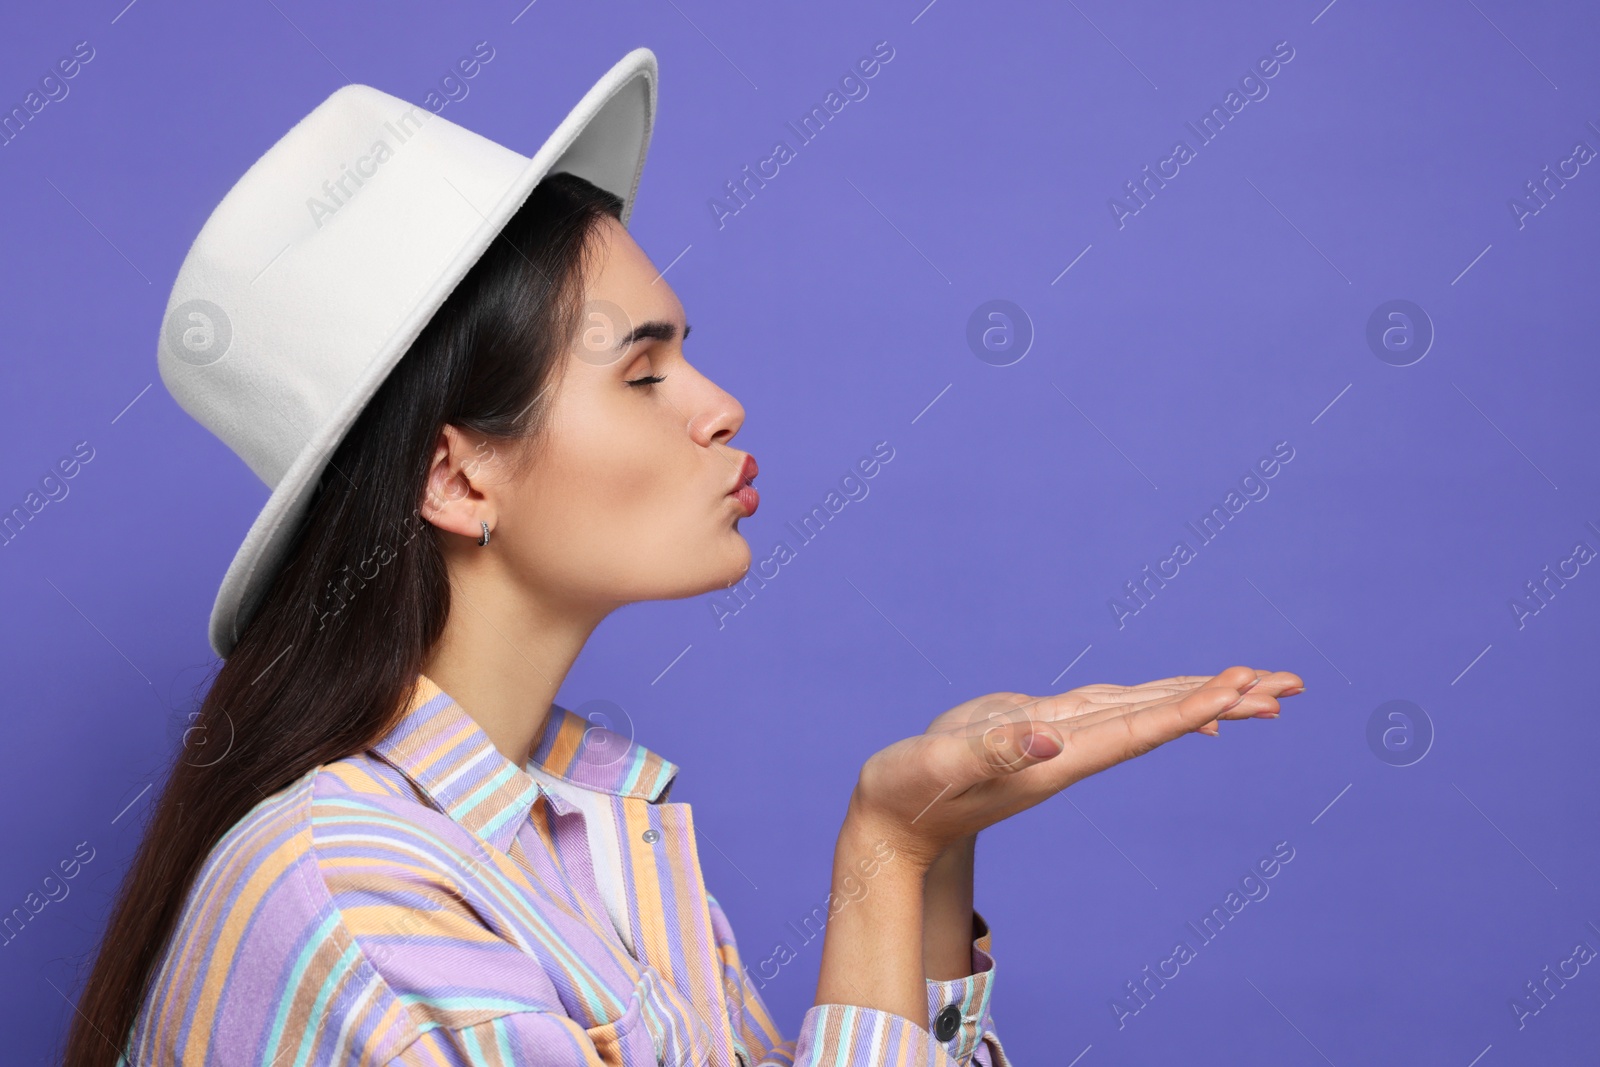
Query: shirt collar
pixel 444 751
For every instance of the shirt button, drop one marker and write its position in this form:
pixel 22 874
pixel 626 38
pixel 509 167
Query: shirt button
pixel 947 1023
pixel 651 837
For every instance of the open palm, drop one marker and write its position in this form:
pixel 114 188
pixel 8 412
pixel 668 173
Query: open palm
pixel 995 755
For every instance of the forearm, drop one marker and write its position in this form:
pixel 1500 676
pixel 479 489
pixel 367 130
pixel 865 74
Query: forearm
pixel 947 913
pixel 872 946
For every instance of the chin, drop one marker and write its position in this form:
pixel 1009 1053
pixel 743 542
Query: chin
pixel 738 564
pixel 715 569
pixel 730 561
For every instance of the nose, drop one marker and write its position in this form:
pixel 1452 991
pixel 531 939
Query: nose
pixel 717 418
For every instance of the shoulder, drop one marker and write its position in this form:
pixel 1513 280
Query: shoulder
pixel 329 919
pixel 259 958
pixel 397 870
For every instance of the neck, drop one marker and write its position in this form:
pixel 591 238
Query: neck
pixel 504 655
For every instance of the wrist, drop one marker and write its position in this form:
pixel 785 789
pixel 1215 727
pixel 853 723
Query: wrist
pixel 872 944
pixel 957 855
pixel 866 837
pixel 947 912
pixel 866 827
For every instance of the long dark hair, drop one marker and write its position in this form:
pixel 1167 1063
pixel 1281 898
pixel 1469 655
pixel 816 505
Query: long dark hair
pixel 330 657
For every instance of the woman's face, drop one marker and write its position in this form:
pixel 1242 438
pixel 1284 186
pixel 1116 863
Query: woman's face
pixel 626 495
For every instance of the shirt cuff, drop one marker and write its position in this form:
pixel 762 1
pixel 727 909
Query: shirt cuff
pixel 958 1008
pixel 834 1034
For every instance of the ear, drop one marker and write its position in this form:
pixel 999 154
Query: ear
pixel 454 494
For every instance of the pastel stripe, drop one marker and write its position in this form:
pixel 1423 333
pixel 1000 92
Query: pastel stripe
pixel 428 902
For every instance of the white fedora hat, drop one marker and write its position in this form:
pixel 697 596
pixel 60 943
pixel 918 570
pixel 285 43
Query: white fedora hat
pixel 322 264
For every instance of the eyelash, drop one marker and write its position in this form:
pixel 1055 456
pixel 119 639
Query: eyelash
pixel 650 379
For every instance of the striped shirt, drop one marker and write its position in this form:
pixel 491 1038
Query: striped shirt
pixel 429 902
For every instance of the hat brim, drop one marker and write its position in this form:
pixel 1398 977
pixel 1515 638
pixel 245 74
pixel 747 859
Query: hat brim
pixel 605 139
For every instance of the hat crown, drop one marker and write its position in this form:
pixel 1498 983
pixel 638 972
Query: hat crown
pixel 305 269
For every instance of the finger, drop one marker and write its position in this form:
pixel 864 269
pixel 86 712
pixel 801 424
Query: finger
pixel 1071 718
pixel 1069 709
pixel 1283 683
pixel 1182 683
pixel 1110 701
pixel 1254 704
pixel 1261 700
pixel 1136 701
pixel 1239 678
pixel 1261 697
pixel 1113 694
pixel 1258 700
pixel 1177 682
pixel 1085 704
pixel 1235 677
pixel 1110 711
pixel 1122 737
pixel 1277 682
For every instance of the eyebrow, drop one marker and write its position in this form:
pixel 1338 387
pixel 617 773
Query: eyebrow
pixel 655 329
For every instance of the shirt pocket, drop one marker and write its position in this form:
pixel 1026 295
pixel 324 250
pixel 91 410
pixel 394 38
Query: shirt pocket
pixel 643 1033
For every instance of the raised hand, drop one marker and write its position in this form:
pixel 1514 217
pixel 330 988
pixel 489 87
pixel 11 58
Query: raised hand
pixel 990 757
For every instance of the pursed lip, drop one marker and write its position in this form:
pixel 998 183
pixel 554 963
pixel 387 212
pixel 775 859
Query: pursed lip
pixel 747 473
pixel 745 494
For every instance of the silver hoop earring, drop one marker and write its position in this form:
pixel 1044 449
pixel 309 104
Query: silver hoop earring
pixel 485 538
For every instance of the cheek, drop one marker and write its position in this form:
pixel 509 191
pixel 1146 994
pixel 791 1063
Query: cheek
pixel 629 472
pixel 631 491
pixel 606 485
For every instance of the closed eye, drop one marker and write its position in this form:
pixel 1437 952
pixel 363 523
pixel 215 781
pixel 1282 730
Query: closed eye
pixel 649 379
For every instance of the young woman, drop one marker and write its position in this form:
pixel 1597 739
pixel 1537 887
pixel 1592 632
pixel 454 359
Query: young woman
pixel 408 854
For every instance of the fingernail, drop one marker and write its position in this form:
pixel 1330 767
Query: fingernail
pixel 1296 691
pixel 1041 746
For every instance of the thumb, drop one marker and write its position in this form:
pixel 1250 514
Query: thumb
pixel 1010 746
pixel 1043 742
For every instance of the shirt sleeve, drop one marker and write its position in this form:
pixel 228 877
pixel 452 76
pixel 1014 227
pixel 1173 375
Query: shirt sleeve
pixel 975 1042
pixel 521 1039
pixel 831 1034
pixel 845 1033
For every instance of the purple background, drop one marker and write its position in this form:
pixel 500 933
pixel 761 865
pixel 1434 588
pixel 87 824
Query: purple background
pixel 1229 314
